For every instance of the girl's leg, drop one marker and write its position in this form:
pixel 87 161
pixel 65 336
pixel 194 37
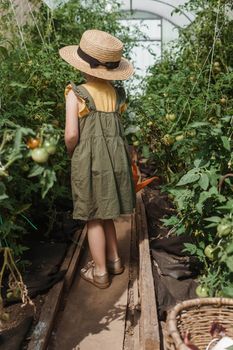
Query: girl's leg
pixel 111 240
pixel 97 245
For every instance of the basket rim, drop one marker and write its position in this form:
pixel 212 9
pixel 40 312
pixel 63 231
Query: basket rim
pixel 171 319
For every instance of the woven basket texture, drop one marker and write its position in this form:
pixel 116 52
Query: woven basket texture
pixel 196 316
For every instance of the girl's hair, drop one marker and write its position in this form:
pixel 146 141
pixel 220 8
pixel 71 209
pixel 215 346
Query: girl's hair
pixel 90 77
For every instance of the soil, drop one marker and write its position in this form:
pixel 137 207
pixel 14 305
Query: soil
pixel 174 273
pixel 18 312
pixel 44 258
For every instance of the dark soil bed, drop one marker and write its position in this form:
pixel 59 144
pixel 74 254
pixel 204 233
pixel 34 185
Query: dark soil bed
pixel 41 272
pixel 174 272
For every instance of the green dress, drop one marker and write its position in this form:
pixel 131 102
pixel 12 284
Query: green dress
pixel 101 174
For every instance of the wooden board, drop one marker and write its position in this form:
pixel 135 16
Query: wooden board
pixel 135 263
pixel 148 324
pixel 44 326
pixel 40 336
pixel 131 339
pixel 74 261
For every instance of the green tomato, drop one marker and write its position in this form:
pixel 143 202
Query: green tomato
pixel 216 64
pixel 202 292
pixel 16 293
pixel 223 100
pixel 179 137
pixel 172 117
pixel 191 133
pixel 25 167
pixel 9 295
pixel 224 229
pixel 170 196
pixel 219 294
pixel 5 316
pixel 49 146
pixel 149 123
pixel 133 138
pixel 168 140
pixel 209 252
pixel 136 143
pixel 40 155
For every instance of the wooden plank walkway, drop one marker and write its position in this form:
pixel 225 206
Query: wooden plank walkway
pixel 149 325
pixel 78 316
pixel 94 318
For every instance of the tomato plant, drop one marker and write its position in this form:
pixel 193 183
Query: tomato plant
pixel 188 98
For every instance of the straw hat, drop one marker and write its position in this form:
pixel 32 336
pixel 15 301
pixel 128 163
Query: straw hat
pixel 100 55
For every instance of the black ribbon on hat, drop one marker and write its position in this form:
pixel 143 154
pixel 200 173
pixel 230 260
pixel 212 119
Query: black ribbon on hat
pixel 94 63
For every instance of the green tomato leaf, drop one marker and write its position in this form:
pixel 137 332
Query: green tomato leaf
pixel 215 219
pixel 191 248
pixel 197 162
pixel 188 179
pixel 229 249
pixel 226 143
pixel 3 196
pixel 3 51
pixel 228 291
pixel 198 124
pixel 172 221
pixel 182 197
pixel 203 197
pixel 132 129
pixel 36 170
pixel 181 230
pixel 18 140
pixel 47 181
pixel 204 181
pixel 229 263
pixel 146 151
pixel 218 110
pixel 227 206
pixel 17 84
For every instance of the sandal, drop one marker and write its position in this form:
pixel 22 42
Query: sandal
pixel 115 267
pixel 88 274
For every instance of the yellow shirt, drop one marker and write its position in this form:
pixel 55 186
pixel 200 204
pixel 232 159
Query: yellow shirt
pixel 103 94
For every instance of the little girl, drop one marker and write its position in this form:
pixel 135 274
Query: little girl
pixel 101 176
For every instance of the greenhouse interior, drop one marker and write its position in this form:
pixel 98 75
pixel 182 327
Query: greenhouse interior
pixel 116 175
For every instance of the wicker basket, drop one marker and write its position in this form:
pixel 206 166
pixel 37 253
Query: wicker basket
pixel 196 316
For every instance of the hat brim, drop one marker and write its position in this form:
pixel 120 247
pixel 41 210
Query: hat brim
pixel 122 72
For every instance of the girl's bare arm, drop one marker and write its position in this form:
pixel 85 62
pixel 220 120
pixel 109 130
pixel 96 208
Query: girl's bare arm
pixel 71 127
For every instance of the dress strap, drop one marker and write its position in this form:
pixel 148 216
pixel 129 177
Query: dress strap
pixel 82 92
